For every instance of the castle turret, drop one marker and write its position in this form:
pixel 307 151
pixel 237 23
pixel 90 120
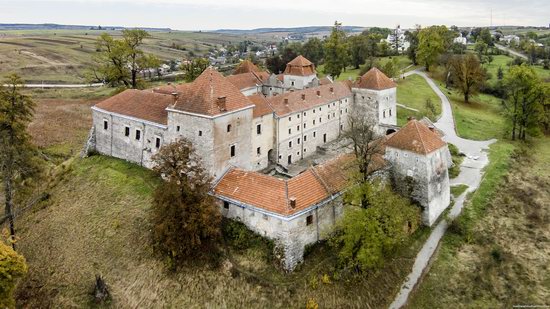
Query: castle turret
pixel 377 94
pixel 299 73
pixel 419 167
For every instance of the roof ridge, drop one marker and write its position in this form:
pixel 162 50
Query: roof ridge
pixel 420 136
pixel 316 175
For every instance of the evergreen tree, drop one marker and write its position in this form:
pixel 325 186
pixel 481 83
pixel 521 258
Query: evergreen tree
pixel 17 154
pixel 336 51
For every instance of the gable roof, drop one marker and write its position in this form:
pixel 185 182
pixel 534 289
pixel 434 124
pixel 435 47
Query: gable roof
pixel 374 79
pixel 248 80
pixel 261 105
pixel 201 96
pixel 300 66
pixel 416 137
pixel 291 102
pixel 142 104
pixel 315 185
pixel 246 67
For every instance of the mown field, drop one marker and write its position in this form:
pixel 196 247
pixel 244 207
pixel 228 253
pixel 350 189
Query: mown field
pixel 413 92
pixel 64 56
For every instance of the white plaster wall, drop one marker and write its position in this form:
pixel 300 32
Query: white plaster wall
pixel 300 82
pixel 265 141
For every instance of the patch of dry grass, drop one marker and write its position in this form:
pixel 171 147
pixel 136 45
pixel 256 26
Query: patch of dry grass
pixel 505 259
pixel 96 222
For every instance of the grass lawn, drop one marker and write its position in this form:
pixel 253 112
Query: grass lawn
pixel 403 62
pixel 503 60
pixel 481 119
pixel 413 92
pixel 458 190
pixel 496 254
pixel 96 222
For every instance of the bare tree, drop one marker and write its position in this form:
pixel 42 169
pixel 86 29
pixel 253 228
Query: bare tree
pixel 365 142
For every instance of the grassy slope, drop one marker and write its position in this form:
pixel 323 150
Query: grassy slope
pixel 413 92
pixel 504 260
pixel 67 54
pixel 503 60
pixel 96 223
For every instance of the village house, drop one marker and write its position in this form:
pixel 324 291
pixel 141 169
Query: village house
pixel 241 125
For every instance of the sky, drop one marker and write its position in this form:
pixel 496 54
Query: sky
pixel 246 14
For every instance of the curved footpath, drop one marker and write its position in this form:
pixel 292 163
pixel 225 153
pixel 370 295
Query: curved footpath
pixel 470 174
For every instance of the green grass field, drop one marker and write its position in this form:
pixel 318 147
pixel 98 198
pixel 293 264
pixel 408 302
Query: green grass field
pixel 503 61
pixel 413 92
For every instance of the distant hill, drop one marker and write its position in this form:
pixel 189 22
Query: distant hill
pixel 302 30
pixel 69 27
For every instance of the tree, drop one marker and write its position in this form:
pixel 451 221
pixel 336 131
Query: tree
pixel 194 68
pixel 391 68
pixel 481 48
pixel 313 50
pixel 186 220
pixel 358 49
pixel 432 42
pixel 119 61
pixel 527 96
pixel 17 154
pixel 365 142
pixel 412 37
pixel 467 74
pixel 336 51
pixel 366 236
pixel 275 64
pixel 500 73
pixel 12 267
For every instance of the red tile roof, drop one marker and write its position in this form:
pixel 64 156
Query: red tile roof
pixel 313 186
pixel 300 66
pixel 246 67
pixel 416 137
pixel 142 104
pixel 374 79
pixel 291 102
pixel 202 95
pixel 248 80
pixel 261 105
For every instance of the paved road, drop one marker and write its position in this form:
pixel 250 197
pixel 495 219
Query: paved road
pixel 511 51
pixel 470 174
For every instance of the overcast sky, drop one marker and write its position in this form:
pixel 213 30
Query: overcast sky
pixel 245 14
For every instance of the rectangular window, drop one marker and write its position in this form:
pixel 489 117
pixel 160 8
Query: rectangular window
pixel 177 128
pixel 258 129
pixel 305 138
pixel 314 134
pixel 390 111
pixel 290 144
pixel 328 116
pixel 105 124
pixel 298 141
pixel 225 204
pixel 228 128
pixel 289 119
pixel 341 127
pixel 305 149
pixel 304 114
pixel 320 120
pixel 258 151
pixel 309 220
pixel 157 142
pixel 138 135
pixel 297 128
pixel 289 131
pixel 298 116
pixel 333 114
pixel 313 121
pixel 304 125
pixel 127 131
pixel 200 133
pixel 314 111
pixel 232 151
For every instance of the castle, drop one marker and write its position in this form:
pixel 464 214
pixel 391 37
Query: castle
pixel 243 123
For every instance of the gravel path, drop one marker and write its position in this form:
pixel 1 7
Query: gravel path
pixel 470 174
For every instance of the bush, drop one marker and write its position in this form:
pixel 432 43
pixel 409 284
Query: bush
pixel 12 267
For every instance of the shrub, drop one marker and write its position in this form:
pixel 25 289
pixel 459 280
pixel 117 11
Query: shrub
pixel 12 267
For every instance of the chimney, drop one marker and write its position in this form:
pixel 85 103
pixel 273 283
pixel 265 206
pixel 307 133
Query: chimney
pixel 303 96
pixel 332 90
pixel 432 128
pixel 410 118
pixel 286 101
pixel 318 93
pixel 292 202
pixel 221 104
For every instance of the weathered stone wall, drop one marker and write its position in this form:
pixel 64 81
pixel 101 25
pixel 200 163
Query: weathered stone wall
pixel 114 142
pixel 297 82
pixel 299 134
pixel 264 141
pixel 430 185
pixel 292 234
pixel 380 106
